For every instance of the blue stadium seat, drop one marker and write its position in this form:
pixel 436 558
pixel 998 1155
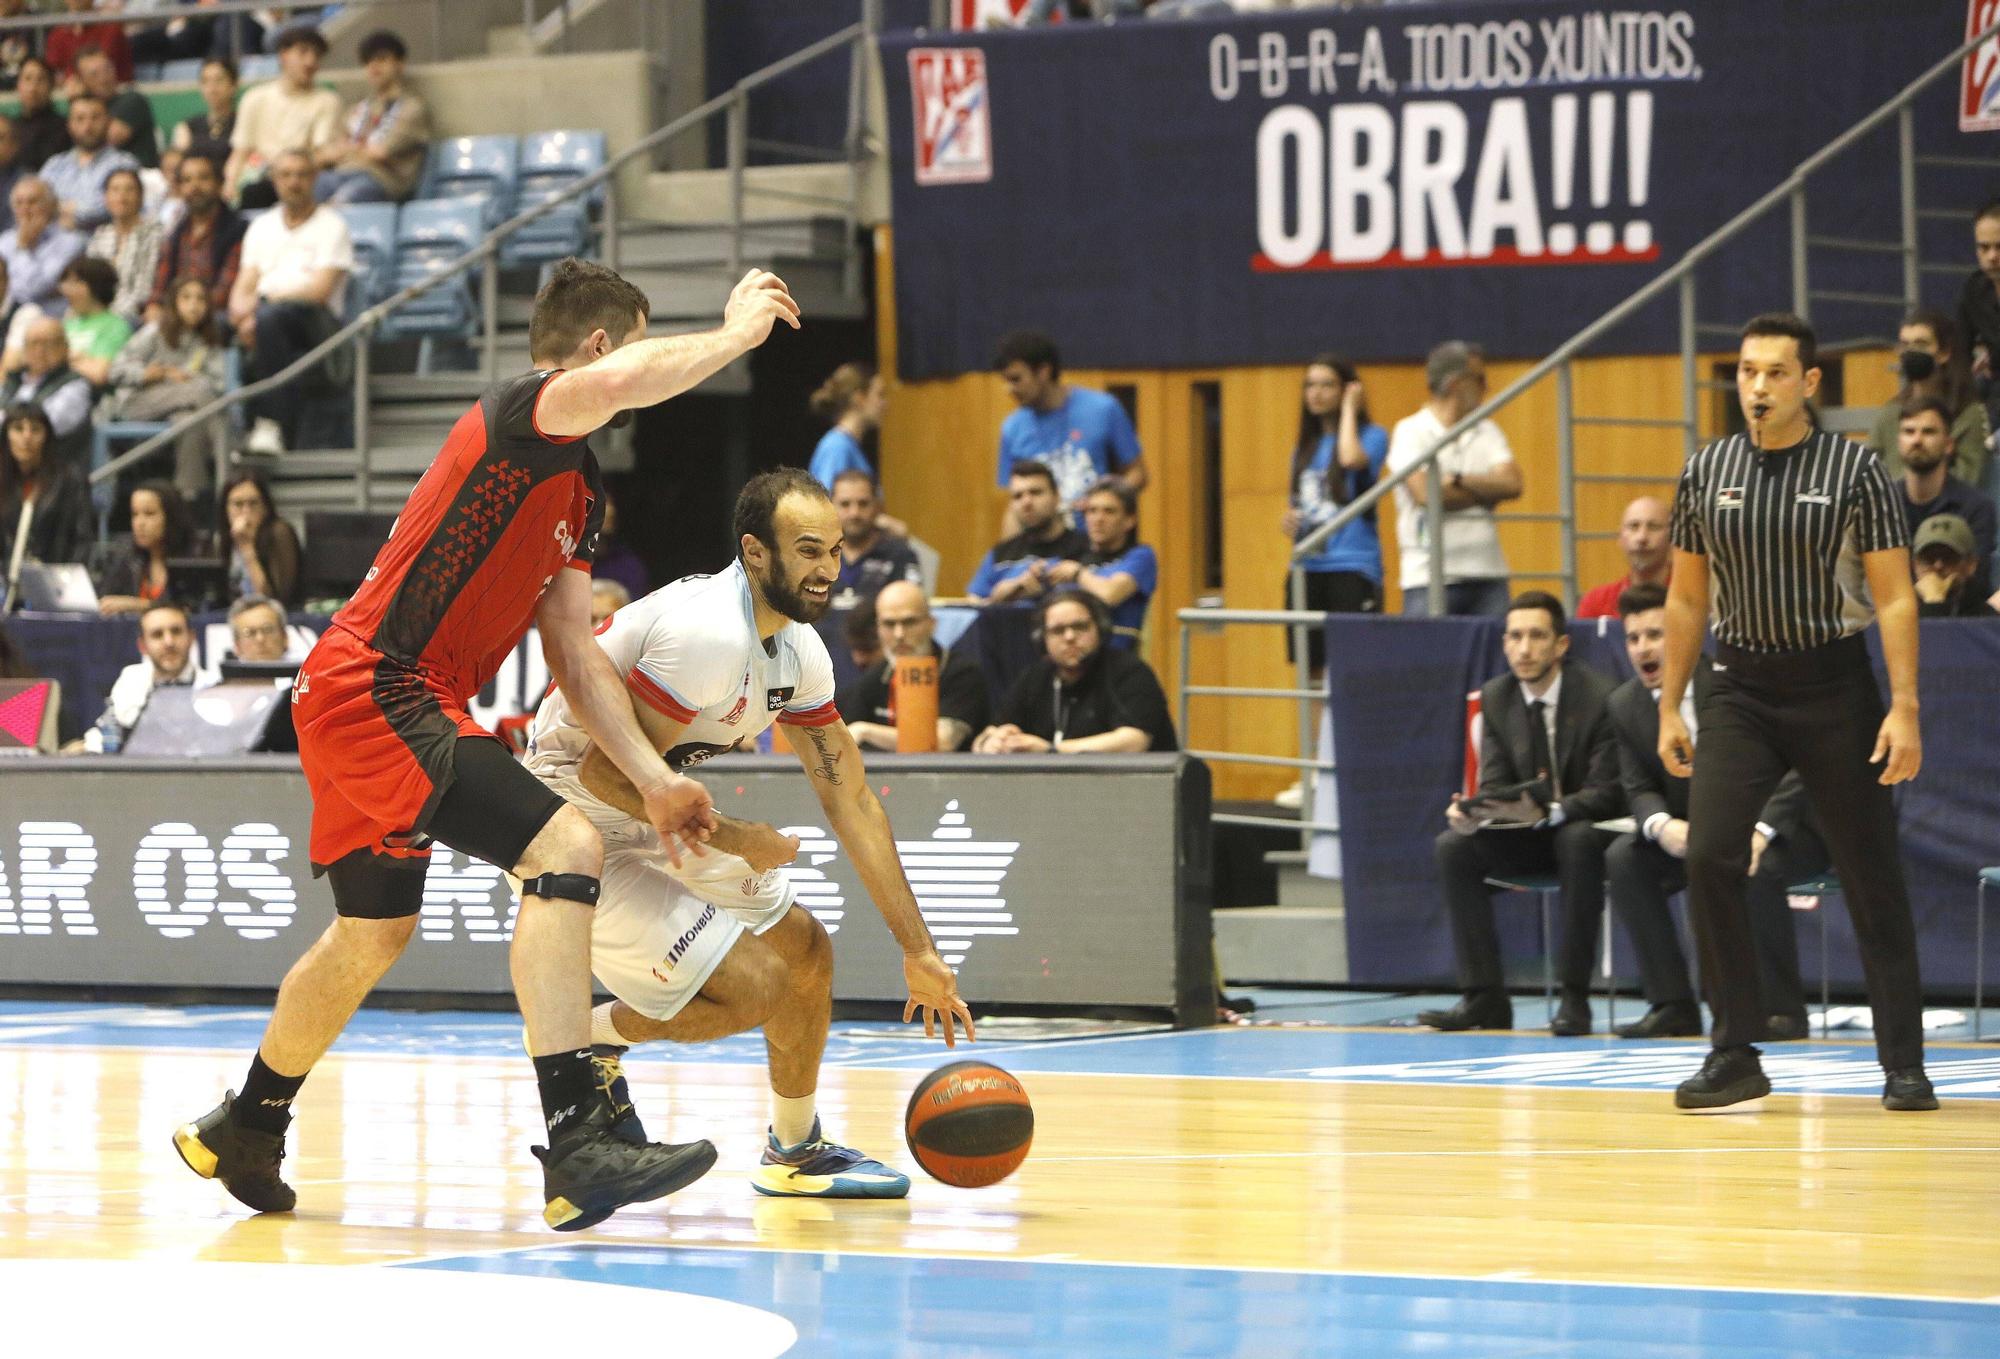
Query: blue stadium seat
pixel 550 163
pixel 373 227
pixel 432 234
pixel 479 169
pixel 185 72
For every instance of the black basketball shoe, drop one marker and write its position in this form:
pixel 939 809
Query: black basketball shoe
pixel 592 1170
pixel 217 1147
pixel 1908 1090
pixel 1732 1081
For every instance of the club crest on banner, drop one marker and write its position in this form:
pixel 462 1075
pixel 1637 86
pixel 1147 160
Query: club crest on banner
pixel 1979 85
pixel 954 137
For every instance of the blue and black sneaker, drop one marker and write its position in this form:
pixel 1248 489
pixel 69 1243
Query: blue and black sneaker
pixel 817 1169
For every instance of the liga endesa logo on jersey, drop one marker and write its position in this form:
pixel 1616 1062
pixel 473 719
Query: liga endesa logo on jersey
pixel 1457 144
pixel 1979 85
pixel 952 123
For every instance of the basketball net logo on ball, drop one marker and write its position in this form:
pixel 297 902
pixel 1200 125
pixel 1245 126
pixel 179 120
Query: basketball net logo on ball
pixel 969 1124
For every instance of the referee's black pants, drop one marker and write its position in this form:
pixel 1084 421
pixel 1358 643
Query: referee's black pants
pixel 1818 712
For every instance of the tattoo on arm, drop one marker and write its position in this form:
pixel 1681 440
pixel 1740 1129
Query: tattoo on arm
pixel 829 758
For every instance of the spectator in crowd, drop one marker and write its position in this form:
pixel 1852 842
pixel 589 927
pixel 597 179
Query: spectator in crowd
pixel 1646 866
pixel 381 153
pixel 289 293
pixel 169 368
pixel 62 528
pixel 162 529
pixel 853 399
pixel 859 634
pixel 182 37
pixel 869 557
pixel 11 170
pixel 1548 768
pixel 207 133
pixel 66 43
pixel 1924 450
pixel 207 243
pixel 77 175
pixel 36 251
pixel 284 115
pixel 166 646
pixel 131 128
pixel 1979 309
pixel 262 551
pixel 1080 435
pixel 1119 570
pixel 130 240
pixel 606 598
pixel 1018 567
pixel 1934 364
pixel 46 378
pixel 39 130
pixel 257 631
pixel 904 625
pixel 96 333
pixel 1081 697
pixel 615 558
pixel 1947 567
pixel 1649 557
pixel 1338 456
pixel 16 44
pixel 1479 473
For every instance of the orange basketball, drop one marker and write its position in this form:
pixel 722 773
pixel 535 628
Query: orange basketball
pixel 969 1124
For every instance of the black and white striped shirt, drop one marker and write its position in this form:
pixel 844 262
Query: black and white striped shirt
pixel 1784 531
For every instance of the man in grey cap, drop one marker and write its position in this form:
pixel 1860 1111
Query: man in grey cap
pixel 1479 473
pixel 1946 562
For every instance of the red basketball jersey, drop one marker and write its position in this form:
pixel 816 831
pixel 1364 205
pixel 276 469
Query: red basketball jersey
pixel 501 511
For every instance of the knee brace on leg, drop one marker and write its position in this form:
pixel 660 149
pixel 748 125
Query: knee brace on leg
pixel 581 887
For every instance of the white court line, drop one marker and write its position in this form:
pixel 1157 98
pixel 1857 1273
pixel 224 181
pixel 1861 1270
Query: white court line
pixel 1512 1152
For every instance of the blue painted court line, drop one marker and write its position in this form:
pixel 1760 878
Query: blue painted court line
pixel 1395 1057
pixel 850 1306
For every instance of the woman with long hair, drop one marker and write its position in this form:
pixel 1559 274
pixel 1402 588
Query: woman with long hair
pixel 1933 362
pixel 173 366
pixel 260 548
pixel 852 400
pixel 162 528
pixel 1338 455
pixel 131 241
pixel 60 529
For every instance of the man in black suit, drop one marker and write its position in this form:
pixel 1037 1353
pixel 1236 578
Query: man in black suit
pixel 1542 705
pixel 1646 867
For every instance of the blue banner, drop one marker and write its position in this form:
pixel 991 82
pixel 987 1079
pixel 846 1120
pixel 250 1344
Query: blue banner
pixel 1397 694
pixel 1255 190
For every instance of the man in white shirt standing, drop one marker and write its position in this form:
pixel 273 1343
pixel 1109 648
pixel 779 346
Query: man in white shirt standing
pixel 1479 474
pixel 289 292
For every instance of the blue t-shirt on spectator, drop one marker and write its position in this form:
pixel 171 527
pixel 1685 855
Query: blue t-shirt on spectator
pixel 838 452
pixel 1138 562
pixel 1014 556
pixel 1358 547
pixel 1089 436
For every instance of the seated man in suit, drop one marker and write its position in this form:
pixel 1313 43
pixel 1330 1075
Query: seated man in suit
pixel 1546 747
pixel 1647 867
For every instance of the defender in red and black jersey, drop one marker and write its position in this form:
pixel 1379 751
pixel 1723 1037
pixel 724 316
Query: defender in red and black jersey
pixel 498 534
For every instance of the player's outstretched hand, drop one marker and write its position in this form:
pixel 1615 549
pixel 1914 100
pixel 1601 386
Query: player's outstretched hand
pixel 683 813
pixel 934 990
pixel 758 302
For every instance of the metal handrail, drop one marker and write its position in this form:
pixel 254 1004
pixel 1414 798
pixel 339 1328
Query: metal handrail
pixel 359 331
pixel 1682 273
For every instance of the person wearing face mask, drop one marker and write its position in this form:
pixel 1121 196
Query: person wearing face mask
pixel 1933 363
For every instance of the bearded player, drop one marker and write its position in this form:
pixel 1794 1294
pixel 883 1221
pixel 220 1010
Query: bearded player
pixel 499 533
pixel 710 947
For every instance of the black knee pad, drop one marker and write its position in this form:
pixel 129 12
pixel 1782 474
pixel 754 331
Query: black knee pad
pixel 562 887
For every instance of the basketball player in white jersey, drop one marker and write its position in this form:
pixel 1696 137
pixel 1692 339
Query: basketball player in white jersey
pixel 717 945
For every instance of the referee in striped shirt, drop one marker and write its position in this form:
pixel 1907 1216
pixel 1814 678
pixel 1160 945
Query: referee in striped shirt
pixel 1795 531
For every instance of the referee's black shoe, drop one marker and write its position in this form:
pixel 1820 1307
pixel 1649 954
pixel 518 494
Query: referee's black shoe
pixel 591 1171
pixel 1731 1081
pixel 1908 1090
pixel 217 1147
pixel 1475 1010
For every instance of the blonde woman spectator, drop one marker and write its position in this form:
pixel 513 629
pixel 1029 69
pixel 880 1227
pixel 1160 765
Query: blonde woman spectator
pixel 130 241
pixel 170 368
